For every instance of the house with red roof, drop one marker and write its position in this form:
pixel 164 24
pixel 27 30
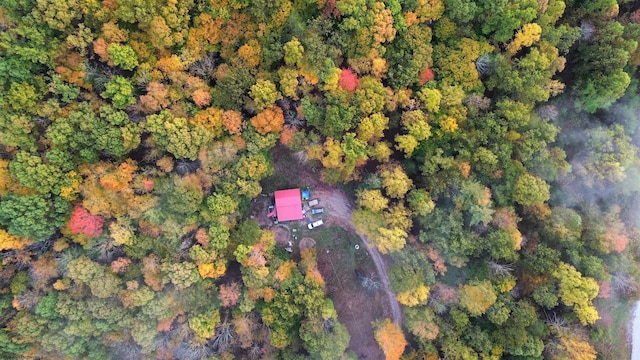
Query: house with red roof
pixel 288 205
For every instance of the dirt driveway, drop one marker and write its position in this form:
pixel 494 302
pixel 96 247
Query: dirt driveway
pixel 339 210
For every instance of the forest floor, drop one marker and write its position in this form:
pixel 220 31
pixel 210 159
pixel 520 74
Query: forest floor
pixel 340 263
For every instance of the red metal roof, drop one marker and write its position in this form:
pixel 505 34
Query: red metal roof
pixel 288 205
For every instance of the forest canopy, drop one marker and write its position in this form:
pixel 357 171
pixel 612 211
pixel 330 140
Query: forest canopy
pixel 489 148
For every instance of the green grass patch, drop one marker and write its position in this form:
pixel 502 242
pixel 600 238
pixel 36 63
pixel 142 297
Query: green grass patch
pixel 341 244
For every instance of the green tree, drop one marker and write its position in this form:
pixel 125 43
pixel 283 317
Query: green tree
pixel 120 91
pixel 324 339
pixel 176 135
pixel 293 51
pixel 264 93
pixel 34 216
pixel 530 190
pixel 123 56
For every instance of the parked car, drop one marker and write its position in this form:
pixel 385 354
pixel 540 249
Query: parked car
pixel 315 224
pixel 317 211
pixel 314 202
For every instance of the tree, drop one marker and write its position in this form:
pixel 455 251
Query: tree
pixel 123 56
pixel 529 34
pixel 156 98
pixel 420 202
pixel 270 119
pixel 204 324
pixel 56 14
pixel 293 51
pixel 601 91
pixel 577 291
pixel 31 171
pixel 476 297
pixel 33 216
pixel 504 17
pixel 370 95
pixel 348 80
pixel 324 339
pixel 608 154
pixel 389 240
pixel 264 93
pixel 391 340
pixel 530 190
pixel 182 275
pixel 85 134
pixel 372 200
pixel 395 181
pixel 175 135
pixel 84 222
pixel 120 91
pixel 229 294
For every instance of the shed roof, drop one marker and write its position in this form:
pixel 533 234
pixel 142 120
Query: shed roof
pixel 288 205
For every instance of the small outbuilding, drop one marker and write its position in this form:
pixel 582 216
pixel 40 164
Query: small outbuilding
pixel 288 205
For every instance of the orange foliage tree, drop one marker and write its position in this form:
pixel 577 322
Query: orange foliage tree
pixel 157 97
pixel 390 339
pixel 270 119
pixel 232 121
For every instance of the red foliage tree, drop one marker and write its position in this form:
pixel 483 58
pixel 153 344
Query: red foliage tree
pixel 426 75
pixel 348 80
pixel 83 222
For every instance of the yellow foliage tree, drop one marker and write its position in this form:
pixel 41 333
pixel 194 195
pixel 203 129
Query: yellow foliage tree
pixel 477 297
pixel 372 200
pixel 209 118
pixel 395 181
pixel 448 124
pixel 333 157
pixel 390 240
pixel 11 242
pixel 529 34
pixel 251 53
pixel 413 297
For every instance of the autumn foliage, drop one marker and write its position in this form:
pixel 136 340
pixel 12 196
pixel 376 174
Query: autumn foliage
pixel 348 80
pixel 391 340
pixel 229 294
pixel 270 119
pixel 425 76
pixel 82 222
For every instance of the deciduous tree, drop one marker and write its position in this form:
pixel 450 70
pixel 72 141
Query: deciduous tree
pixel 390 339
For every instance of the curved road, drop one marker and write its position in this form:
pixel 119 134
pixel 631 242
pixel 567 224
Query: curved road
pixel 396 315
pixel 341 210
